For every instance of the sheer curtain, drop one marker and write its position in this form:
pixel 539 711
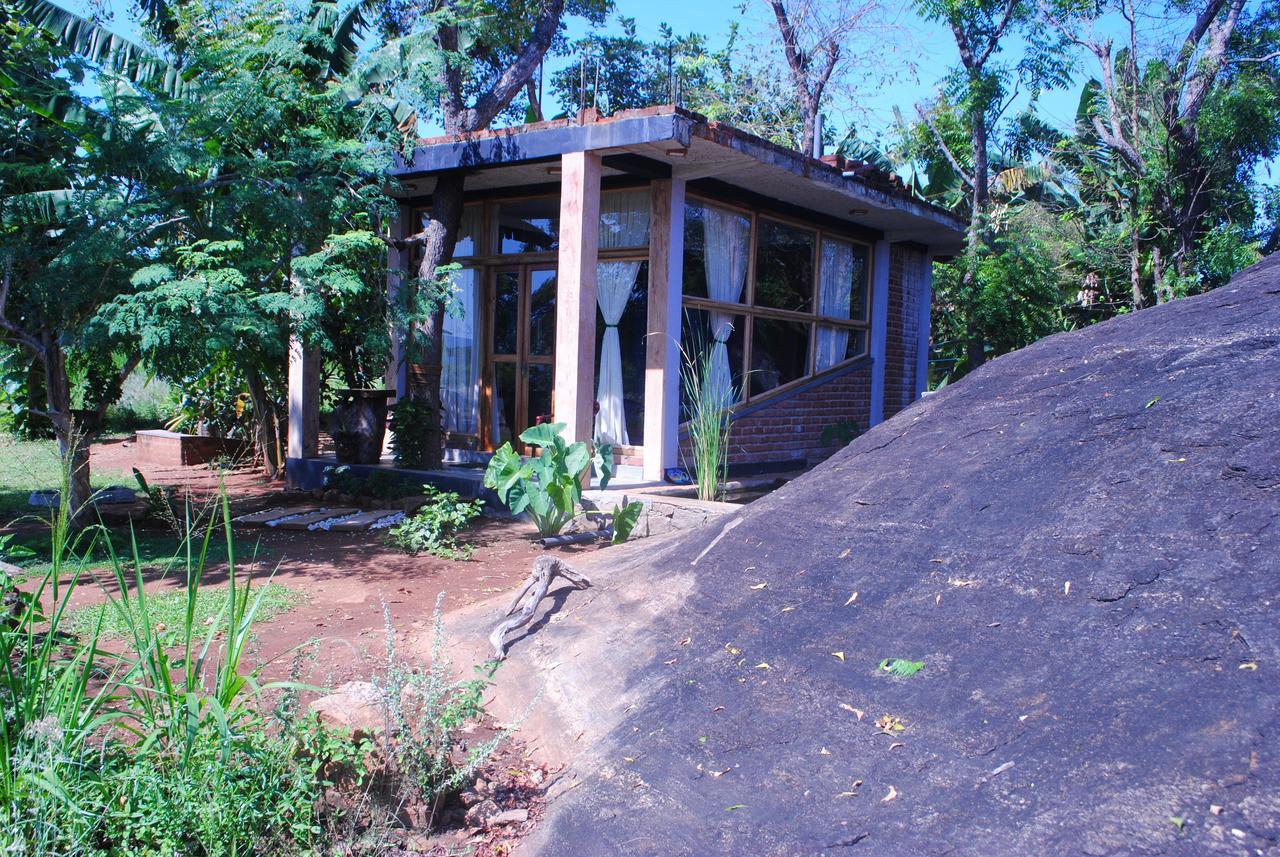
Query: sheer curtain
pixel 624 222
pixel 727 237
pixel 460 374
pixel 835 282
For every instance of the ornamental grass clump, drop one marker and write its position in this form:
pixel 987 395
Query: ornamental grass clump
pixel 708 396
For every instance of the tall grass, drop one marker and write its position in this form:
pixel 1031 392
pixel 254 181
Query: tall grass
pixel 159 740
pixel 81 718
pixel 707 414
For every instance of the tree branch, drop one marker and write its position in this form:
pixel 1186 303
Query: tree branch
pixel 946 150
pixel 521 69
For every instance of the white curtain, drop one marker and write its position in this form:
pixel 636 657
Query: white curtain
pixel 624 222
pixel 624 219
pixel 727 241
pixel 835 282
pixel 460 375
pixel 469 229
pixel 614 284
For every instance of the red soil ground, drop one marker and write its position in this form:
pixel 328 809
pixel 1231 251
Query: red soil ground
pixel 348 579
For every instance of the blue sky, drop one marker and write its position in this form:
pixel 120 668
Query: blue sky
pixel 924 50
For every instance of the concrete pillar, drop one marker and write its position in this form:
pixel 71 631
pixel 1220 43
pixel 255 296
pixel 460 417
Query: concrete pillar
pixel 304 400
pixel 879 326
pixel 926 317
pixel 574 399
pixel 396 377
pixel 662 352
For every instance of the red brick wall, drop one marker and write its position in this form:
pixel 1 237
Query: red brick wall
pixel 907 273
pixel 791 426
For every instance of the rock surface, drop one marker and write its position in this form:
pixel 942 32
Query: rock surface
pixel 1081 543
pixel 356 706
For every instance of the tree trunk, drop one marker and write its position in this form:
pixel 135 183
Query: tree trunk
pixel 71 432
pixel 979 242
pixel 1135 270
pixel 441 236
pixel 264 423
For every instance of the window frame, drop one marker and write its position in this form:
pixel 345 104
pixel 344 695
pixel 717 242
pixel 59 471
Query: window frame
pixel 814 318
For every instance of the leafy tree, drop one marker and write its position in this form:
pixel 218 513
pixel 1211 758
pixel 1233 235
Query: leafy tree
pixel 963 123
pixel 281 226
pixel 463 62
pixel 1167 141
pixel 75 219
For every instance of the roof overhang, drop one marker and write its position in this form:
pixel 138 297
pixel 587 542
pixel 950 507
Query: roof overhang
pixel 716 160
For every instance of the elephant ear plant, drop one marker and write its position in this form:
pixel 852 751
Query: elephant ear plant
pixel 548 485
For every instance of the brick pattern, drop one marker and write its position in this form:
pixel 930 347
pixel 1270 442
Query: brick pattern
pixel 791 428
pixel 907 274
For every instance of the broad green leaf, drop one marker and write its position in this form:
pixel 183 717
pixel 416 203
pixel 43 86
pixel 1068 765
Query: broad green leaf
pixel 625 519
pixel 577 458
pixel 542 435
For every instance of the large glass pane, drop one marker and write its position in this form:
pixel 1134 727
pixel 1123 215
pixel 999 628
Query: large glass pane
pixel 716 251
pixel 779 353
pixel 469 229
pixel 624 219
pixel 540 387
pixel 529 225
pixel 460 377
pixel 836 345
pixel 506 313
pixel 632 327
pixel 696 339
pixel 503 417
pixel 695 275
pixel 784 266
pixel 542 313
pixel 842 285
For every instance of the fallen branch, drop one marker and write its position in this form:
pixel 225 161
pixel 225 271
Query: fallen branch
pixel 545 569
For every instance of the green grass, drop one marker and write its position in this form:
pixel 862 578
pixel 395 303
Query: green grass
pixel 170 609
pixel 157 550
pixel 33 465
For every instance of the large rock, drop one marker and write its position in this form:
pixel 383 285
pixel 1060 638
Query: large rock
pixel 1080 542
pixel 356 706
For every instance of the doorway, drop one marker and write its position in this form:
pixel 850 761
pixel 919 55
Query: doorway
pixel 521 359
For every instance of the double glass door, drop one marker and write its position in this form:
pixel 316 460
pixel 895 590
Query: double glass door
pixel 522 356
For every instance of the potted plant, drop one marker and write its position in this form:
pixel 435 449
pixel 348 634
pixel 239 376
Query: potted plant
pixel 360 425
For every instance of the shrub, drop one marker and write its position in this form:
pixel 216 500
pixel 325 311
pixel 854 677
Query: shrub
pixel 548 486
pixel 410 418
pixel 433 528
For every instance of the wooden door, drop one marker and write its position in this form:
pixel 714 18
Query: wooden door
pixel 521 361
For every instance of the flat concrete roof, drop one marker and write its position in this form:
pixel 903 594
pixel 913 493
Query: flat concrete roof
pixel 716 159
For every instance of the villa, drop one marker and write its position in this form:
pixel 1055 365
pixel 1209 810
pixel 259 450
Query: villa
pixel 595 251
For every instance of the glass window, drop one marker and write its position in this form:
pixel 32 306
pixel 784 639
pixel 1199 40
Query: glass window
pixel 542 313
pixel 529 225
pixel 842 286
pixel 624 219
pixel 469 229
pixel 633 325
pixel 779 353
pixel 836 345
pixel 784 266
pixel 696 339
pixel 717 243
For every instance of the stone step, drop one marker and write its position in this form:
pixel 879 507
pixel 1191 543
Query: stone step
pixel 303 521
pixel 362 521
pixel 261 518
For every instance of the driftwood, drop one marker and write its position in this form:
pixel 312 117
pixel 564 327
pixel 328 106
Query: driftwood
pixel 545 569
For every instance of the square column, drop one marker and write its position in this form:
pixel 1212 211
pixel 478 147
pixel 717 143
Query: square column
pixel 662 340
pixel 879 326
pixel 924 334
pixel 574 398
pixel 304 399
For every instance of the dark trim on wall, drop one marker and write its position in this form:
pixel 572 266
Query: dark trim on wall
pixel 637 165
pixel 717 189
pixel 626 182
